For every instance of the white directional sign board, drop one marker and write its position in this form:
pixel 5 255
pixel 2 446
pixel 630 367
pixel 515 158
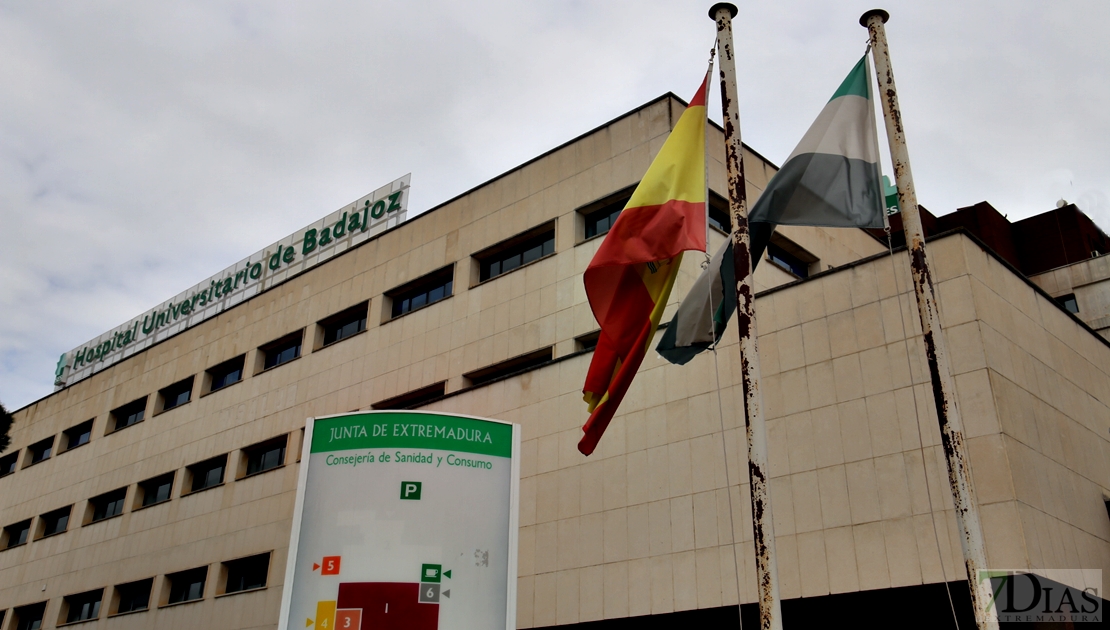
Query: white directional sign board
pixel 404 521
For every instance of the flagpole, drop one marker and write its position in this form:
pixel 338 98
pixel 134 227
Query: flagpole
pixel 770 609
pixel 948 412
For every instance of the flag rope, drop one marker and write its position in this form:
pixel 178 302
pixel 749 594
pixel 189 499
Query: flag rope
pixel 917 419
pixel 724 451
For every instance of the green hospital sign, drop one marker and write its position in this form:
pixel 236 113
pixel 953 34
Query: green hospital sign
pixel 341 230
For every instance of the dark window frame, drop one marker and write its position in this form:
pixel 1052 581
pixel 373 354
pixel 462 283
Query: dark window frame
pixel 718 214
pixel 116 499
pixel 127 415
pixel 23 615
pixel 83 429
pixel 414 398
pixel 53 520
pixel 277 349
pixel 261 450
pixel 428 289
pixel 36 454
pixel 516 246
pixel 181 585
pixel 244 572
pixel 1069 303
pixel 9 464
pixel 217 374
pixel 24 529
pixel 156 483
pixel 337 325
pixel 93 598
pixel 125 589
pixel 170 396
pixel 604 210
pixel 588 341
pixel 206 467
pixel 789 256
pixel 503 369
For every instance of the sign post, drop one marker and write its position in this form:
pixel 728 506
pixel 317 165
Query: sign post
pixel 404 520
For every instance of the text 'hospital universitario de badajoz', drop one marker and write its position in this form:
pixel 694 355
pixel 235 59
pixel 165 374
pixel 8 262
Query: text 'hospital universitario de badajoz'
pixel 158 492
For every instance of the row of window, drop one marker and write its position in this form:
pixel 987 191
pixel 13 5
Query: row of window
pixel 252 460
pixel 406 298
pixel 233 576
pixel 429 289
pixel 273 354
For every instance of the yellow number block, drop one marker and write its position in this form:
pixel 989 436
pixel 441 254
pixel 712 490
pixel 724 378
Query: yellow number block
pixel 325 615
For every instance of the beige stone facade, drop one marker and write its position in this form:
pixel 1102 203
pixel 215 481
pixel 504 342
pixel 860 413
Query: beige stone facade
pixel 658 519
pixel 1089 284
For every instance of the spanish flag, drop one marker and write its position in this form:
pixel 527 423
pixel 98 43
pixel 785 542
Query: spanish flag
pixel 631 275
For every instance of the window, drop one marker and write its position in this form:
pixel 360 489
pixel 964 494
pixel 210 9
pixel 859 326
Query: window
pixel 414 398
pixel 512 366
pixel 155 490
pixel 39 451
pixel 207 474
pixel 587 341
pixel 1069 302
pixel 83 606
pixel 266 455
pixel 281 351
pixel 177 394
pixel 421 292
pixel 601 222
pixel 719 214
pixel 342 325
pixel 29 617
pixel 226 373
pixel 55 522
pixel 127 415
pixel 16 534
pixel 515 252
pixel 7 464
pixel 789 256
pixel 107 505
pixel 133 596
pixel 599 216
pixel 187 586
pixel 246 574
pixel 77 436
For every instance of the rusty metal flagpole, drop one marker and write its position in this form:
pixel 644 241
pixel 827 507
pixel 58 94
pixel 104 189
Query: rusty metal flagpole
pixel 948 412
pixel 770 609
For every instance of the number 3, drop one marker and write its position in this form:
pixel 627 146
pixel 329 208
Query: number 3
pixel 346 622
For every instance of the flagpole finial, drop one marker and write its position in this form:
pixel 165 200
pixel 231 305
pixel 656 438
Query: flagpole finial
pixel 866 17
pixel 732 10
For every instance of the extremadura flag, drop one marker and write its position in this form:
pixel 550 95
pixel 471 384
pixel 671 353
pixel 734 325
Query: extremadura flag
pixel 831 179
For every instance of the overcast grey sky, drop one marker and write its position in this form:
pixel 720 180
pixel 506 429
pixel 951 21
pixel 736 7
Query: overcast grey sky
pixel 145 146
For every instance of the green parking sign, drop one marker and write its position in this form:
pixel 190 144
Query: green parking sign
pixel 410 490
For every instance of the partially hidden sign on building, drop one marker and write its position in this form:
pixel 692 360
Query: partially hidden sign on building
pixel 404 520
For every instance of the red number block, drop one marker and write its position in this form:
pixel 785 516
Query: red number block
pixel 330 565
pixel 350 619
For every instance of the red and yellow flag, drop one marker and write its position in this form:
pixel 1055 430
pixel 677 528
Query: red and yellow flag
pixel 631 275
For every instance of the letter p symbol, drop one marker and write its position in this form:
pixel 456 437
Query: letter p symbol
pixel 410 490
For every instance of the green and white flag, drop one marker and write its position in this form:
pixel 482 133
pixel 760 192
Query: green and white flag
pixel 831 179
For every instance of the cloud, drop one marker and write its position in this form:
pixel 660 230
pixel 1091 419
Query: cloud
pixel 146 146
